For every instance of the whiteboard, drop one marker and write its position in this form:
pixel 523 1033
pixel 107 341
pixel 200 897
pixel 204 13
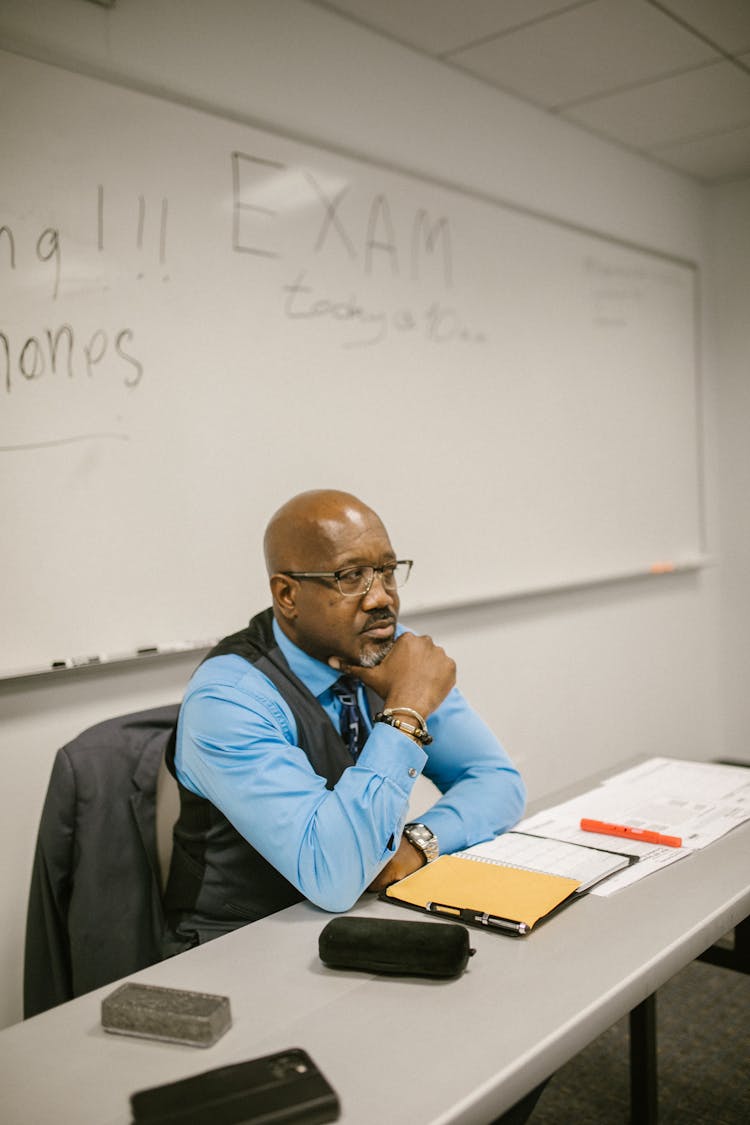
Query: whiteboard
pixel 200 318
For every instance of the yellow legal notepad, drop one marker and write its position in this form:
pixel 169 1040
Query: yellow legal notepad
pixel 508 899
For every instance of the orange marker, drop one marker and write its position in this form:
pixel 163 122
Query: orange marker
pixel 644 835
pixel 662 568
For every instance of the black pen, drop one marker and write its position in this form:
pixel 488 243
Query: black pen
pixel 478 918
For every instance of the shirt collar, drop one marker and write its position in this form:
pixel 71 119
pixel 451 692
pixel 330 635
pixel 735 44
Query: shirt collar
pixel 315 675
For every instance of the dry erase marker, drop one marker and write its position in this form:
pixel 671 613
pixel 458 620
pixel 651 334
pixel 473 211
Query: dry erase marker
pixel 79 662
pixel 663 568
pixel 644 835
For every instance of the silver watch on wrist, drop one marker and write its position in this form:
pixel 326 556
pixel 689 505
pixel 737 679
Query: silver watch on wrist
pixel 425 841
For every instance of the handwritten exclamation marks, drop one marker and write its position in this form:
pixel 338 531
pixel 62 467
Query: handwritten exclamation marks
pixel 100 217
pixel 163 237
pixel 140 226
pixel 141 229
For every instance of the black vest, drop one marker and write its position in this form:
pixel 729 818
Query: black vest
pixel 217 880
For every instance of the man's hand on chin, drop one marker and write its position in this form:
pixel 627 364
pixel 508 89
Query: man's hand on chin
pixel 416 673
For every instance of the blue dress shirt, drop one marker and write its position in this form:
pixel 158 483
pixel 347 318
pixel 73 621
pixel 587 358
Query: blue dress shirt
pixel 237 746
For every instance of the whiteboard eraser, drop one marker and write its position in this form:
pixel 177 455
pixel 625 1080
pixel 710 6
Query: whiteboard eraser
pixel 176 1015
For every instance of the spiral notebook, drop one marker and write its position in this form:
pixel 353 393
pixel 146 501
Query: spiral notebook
pixel 507 884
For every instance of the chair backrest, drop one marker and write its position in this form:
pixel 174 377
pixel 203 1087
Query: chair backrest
pixel 167 811
pixel 95 903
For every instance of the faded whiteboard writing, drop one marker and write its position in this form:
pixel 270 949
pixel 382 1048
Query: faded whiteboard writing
pixel 199 318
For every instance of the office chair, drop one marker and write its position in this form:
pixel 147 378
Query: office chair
pixel 95 902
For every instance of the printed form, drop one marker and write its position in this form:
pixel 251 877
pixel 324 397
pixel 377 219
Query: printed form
pixel 697 801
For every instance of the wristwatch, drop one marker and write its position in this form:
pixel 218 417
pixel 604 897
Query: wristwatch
pixel 425 841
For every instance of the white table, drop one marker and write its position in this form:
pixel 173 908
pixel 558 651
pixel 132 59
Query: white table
pixel 396 1050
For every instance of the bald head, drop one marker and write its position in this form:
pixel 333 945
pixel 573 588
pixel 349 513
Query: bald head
pixel 310 538
pixel 302 534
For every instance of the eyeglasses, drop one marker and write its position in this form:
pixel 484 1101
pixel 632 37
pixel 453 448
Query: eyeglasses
pixel 356 581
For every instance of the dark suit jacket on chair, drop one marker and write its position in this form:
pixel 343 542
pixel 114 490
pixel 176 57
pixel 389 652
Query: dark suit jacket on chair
pixel 95 911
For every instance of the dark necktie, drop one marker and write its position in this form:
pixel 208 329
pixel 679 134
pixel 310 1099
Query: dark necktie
pixel 353 729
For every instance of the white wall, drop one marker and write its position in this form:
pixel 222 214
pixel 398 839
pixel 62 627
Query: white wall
pixel 731 300
pixel 570 681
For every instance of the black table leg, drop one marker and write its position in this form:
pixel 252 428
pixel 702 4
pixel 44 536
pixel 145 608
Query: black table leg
pixel 644 1103
pixel 737 958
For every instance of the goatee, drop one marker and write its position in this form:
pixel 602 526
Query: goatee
pixel 374 656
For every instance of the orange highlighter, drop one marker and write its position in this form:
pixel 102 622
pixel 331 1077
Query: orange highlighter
pixel 644 835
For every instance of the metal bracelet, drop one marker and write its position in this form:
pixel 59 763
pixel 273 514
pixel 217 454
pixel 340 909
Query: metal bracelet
pixel 419 734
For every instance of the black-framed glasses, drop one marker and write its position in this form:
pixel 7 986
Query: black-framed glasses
pixel 356 581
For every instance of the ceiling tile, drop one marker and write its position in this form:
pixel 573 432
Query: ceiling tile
pixel 708 99
pixel 651 74
pixel 725 22
pixel 438 26
pixel 588 50
pixel 721 156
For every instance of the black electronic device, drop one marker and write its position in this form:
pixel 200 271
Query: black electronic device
pixel 283 1088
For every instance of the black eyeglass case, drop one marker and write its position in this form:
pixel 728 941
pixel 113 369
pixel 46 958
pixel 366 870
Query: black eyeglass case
pixel 390 946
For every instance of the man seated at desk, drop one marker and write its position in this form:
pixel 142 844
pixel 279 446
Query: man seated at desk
pixel 276 804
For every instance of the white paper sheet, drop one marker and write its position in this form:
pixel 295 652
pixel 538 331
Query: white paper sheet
pixel 697 801
pixel 535 852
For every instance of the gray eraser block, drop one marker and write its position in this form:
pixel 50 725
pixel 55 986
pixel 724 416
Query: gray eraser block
pixel 174 1014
